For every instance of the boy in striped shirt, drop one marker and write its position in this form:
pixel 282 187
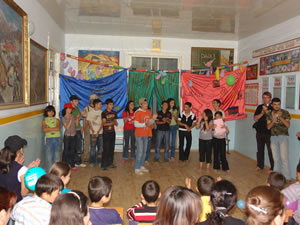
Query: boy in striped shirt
pixel 36 209
pixel 145 211
pixel 292 194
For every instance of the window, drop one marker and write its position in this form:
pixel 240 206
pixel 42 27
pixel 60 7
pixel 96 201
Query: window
pixel 290 92
pixel 154 63
pixel 277 88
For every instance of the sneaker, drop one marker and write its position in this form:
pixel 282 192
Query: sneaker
pixel 112 166
pixel 80 165
pixel 92 165
pixel 138 172
pixel 124 160
pixel 74 169
pixel 143 169
pixel 104 168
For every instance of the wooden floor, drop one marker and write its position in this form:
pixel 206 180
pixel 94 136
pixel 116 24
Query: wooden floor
pixel 127 186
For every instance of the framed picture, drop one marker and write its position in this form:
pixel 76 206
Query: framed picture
pixel 91 71
pixel 38 73
pixel 251 73
pixel 251 94
pixel 203 58
pixel 14 56
pixel 262 66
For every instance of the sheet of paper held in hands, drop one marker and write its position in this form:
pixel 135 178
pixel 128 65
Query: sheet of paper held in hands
pixel 219 124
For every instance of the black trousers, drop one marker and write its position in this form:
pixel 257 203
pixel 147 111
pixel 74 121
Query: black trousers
pixel 205 150
pixel 78 147
pixel 262 140
pixel 184 154
pixel 219 146
pixel 69 152
pixel 109 139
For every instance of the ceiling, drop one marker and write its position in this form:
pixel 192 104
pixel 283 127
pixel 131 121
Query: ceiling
pixel 196 19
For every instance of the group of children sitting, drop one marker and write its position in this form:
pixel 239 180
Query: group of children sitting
pixel 52 203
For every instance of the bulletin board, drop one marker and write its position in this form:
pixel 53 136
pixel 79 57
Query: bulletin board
pixel 251 94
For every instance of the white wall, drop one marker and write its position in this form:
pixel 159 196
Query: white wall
pixel 143 45
pixel 245 141
pixel 48 34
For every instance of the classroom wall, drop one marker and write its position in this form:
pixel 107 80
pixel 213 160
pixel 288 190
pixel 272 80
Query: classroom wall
pixel 143 45
pixel 48 34
pixel 245 141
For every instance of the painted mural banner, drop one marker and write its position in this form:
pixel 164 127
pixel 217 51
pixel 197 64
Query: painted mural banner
pixel 202 92
pixel 91 71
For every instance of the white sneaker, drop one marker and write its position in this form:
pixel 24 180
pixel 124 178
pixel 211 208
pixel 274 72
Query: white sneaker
pixel 143 169
pixel 138 172
pixel 80 165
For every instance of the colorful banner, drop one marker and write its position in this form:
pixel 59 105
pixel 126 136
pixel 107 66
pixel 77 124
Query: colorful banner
pixel 200 91
pixel 113 86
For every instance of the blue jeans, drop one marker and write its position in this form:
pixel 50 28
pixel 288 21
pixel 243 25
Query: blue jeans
pixel 96 156
pixel 129 134
pixel 173 131
pixel 53 148
pixel 280 151
pixel 141 144
pixel 148 148
pixel 160 137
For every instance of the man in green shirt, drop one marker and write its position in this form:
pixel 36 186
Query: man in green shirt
pixel 278 121
pixel 74 100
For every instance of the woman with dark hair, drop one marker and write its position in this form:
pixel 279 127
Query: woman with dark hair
pixel 128 117
pixel 7 200
pixel 206 124
pixel 70 208
pixel 12 170
pixel 265 206
pixel 173 126
pixel 178 205
pixel 223 198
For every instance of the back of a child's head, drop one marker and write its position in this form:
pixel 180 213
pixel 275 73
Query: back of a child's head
pixel 298 167
pixel 47 184
pixel 263 205
pixel 276 180
pixel 205 184
pixel 6 157
pixel 7 199
pixel 223 198
pixel 99 187
pixel 178 205
pixel 69 208
pixel 60 169
pixel 150 191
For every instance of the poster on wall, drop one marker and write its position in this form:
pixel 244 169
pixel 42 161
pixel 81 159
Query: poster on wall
pixel 284 62
pixel 251 94
pixel 92 71
pixel 203 58
pixel 251 73
pixel 38 73
pixel 14 55
pixel 262 66
pixel 265 84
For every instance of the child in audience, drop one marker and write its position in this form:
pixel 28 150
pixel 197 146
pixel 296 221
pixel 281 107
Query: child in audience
pixel 206 124
pixel 51 127
pixel 219 143
pixel 145 211
pixel 7 200
pixel 292 194
pixel 11 169
pixel 69 121
pixel 276 180
pixel 99 189
pixel 178 206
pixel 109 119
pixel 36 209
pixel 223 198
pixel 128 117
pixel 63 171
pixel 70 209
pixel 216 105
pixel 94 119
pixel 173 126
pixel 204 186
pixel 265 205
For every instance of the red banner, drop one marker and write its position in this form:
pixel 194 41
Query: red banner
pixel 201 90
